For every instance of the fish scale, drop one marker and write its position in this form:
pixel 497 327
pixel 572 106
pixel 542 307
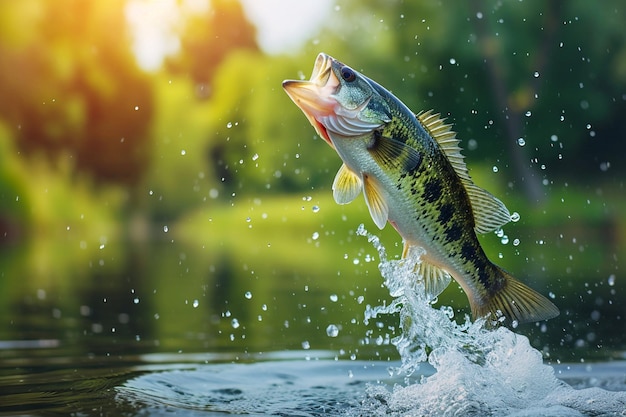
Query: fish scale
pixel 413 176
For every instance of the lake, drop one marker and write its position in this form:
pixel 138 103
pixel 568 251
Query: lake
pixel 231 325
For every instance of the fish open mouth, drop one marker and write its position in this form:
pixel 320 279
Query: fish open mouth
pixel 314 96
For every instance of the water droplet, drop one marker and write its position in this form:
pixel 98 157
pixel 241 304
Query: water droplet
pixel 248 295
pixel 255 156
pixel 183 152
pixel 521 142
pixel 315 236
pixel 516 242
pixel 452 61
pixel 166 229
pixel 195 303
pixel 315 209
pixel 536 74
pixel 136 300
pixel 611 280
pixel 515 217
pixel 504 240
pixel 495 168
pixel 234 323
pixel 306 345
pixel 334 298
pixel 332 330
pixel 528 113
pixel 229 125
pixel 479 15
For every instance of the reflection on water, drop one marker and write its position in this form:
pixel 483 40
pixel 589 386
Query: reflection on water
pixel 80 321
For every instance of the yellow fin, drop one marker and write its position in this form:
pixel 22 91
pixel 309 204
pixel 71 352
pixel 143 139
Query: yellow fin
pixel 435 279
pixel 489 212
pixel 346 186
pixel 393 154
pixel 516 302
pixel 379 210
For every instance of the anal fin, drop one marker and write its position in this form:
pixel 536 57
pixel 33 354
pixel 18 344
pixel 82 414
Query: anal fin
pixel 435 279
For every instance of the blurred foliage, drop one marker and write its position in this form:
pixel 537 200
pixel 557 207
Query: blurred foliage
pixel 207 38
pixel 68 87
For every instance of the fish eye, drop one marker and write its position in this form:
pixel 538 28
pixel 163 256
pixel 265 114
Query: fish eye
pixel 348 74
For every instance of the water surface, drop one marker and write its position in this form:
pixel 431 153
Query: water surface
pixel 145 329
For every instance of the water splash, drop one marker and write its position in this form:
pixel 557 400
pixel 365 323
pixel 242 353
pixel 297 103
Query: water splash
pixel 479 372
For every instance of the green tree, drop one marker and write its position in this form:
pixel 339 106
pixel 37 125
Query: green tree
pixel 69 84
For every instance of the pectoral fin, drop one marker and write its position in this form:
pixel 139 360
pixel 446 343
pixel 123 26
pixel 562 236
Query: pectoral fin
pixel 346 186
pixel 394 155
pixel 379 210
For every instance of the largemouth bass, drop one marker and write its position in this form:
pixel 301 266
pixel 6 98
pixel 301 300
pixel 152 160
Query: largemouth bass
pixel 413 175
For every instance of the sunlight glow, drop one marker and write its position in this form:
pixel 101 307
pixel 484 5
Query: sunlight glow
pixel 152 25
pixel 282 25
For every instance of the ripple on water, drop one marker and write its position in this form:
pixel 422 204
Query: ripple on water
pixel 284 387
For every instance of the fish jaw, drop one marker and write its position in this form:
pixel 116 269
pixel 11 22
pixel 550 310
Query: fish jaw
pixel 315 96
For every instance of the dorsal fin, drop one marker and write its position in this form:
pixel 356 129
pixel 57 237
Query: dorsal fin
pixel 489 212
pixel 442 132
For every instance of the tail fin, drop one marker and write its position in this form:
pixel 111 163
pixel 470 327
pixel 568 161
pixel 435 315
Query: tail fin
pixel 516 302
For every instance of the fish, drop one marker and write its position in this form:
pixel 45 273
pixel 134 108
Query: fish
pixel 413 176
